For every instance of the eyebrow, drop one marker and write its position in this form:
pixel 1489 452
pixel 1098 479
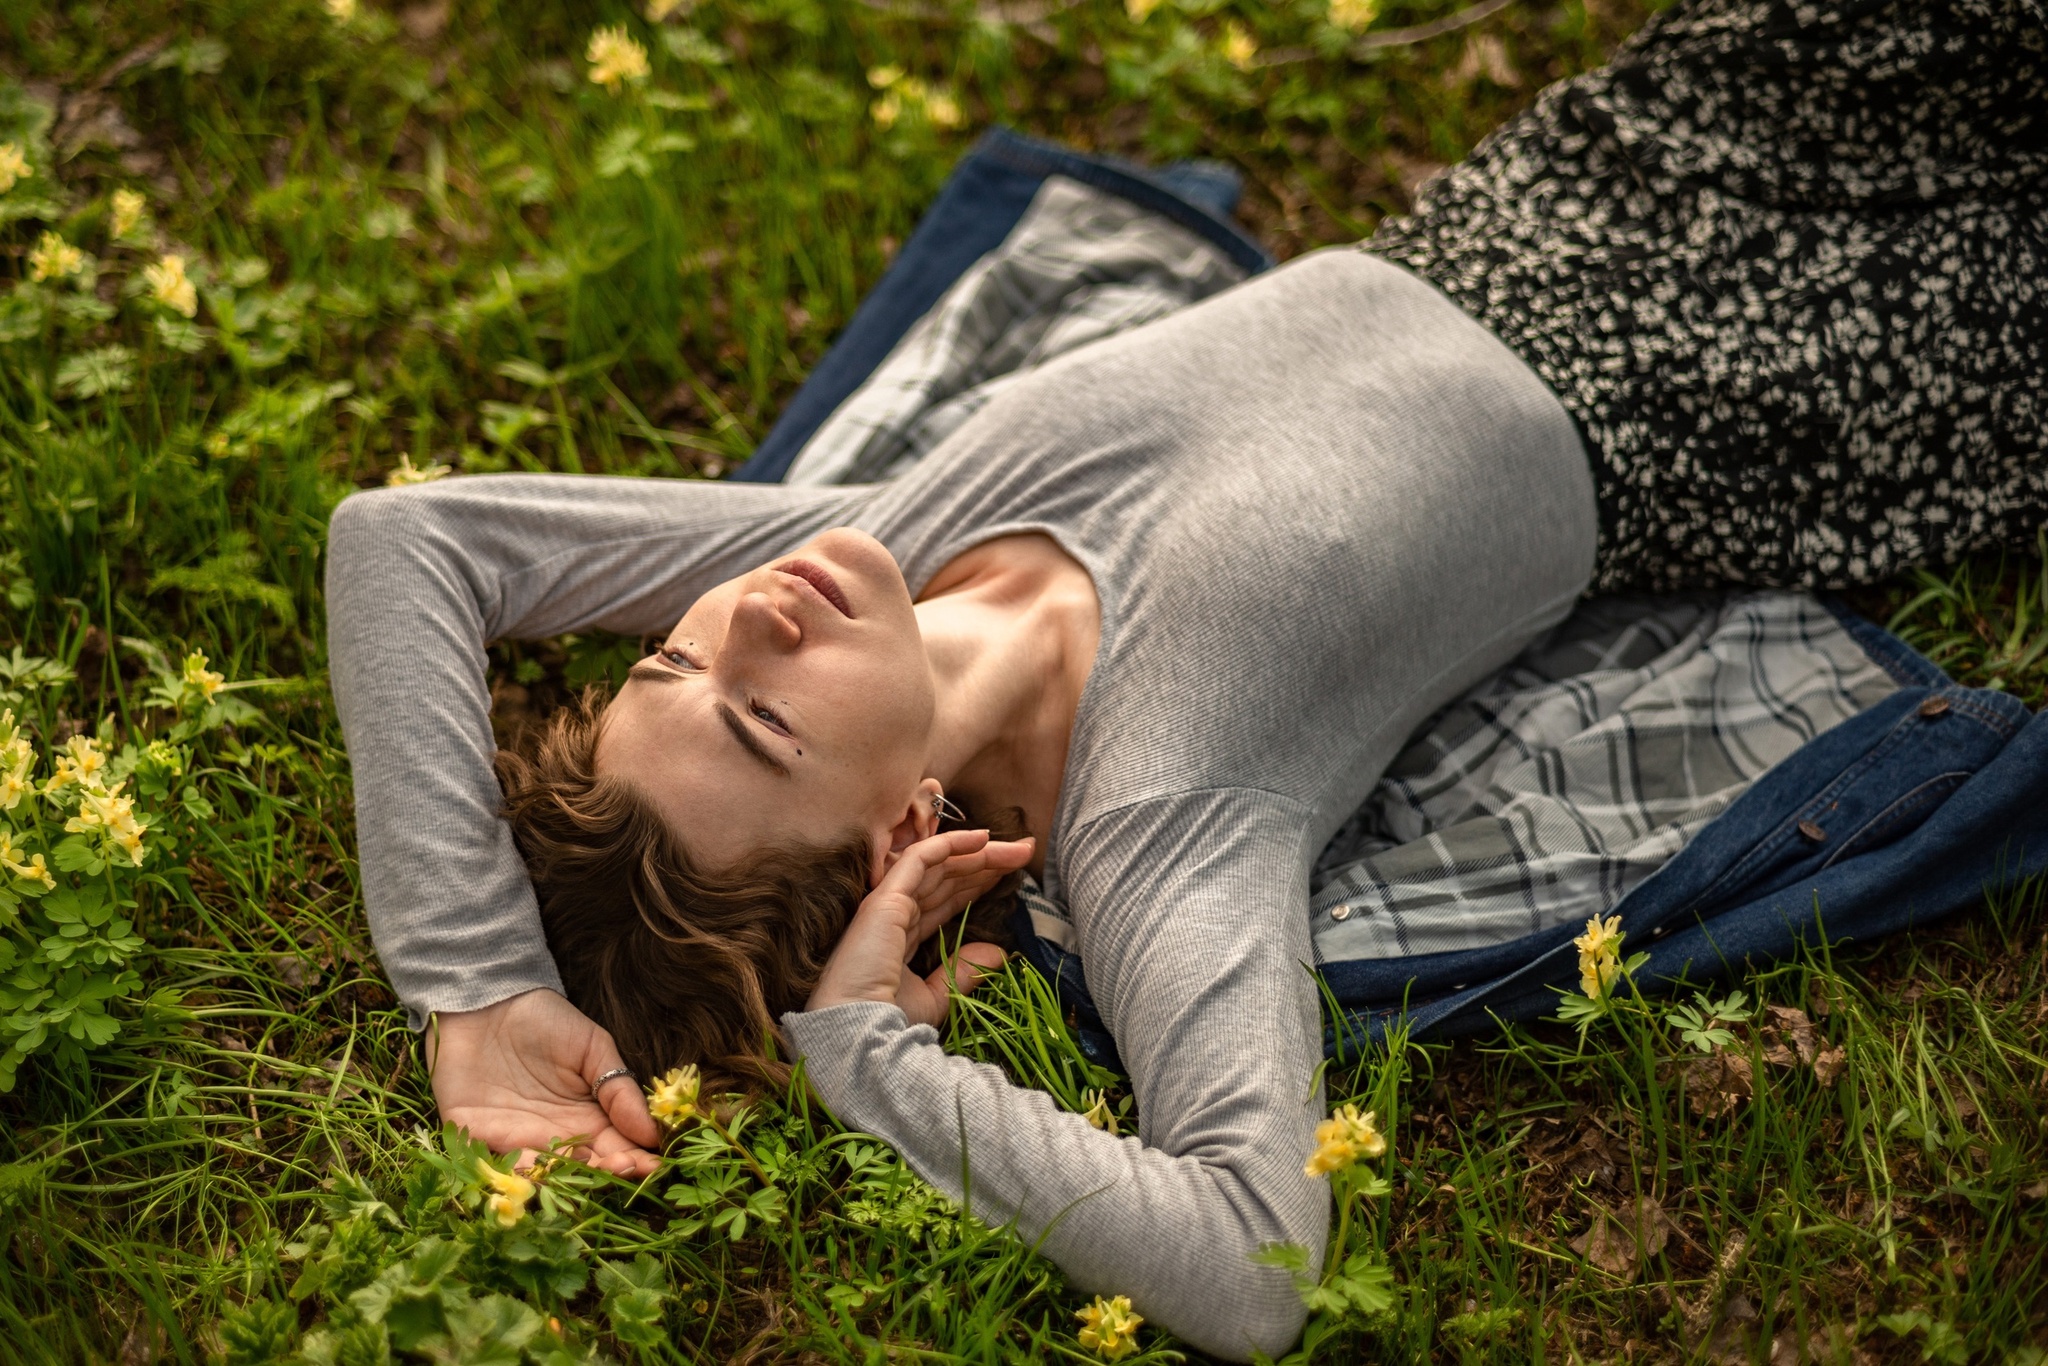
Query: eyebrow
pixel 748 739
pixel 655 673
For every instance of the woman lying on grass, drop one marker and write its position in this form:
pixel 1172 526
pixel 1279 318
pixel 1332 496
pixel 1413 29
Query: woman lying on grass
pixel 1758 303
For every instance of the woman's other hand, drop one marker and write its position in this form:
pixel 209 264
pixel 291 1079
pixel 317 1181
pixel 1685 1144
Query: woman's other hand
pixel 927 885
pixel 518 1075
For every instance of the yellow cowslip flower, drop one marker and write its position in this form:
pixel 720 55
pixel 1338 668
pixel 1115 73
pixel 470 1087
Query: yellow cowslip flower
pixel 1109 1328
pixel 129 842
pixel 197 675
pixel 510 1193
pixel 14 166
pixel 886 110
pixel 1599 955
pixel 106 810
pixel 672 1099
pixel 1140 10
pixel 1342 1139
pixel 882 77
pixel 54 258
pixel 17 762
pixel 35 870
pixel 615 58
pixel 1355 15
pixel 409 473
pixel 658 10
pixel 86 760
pixel 341 11
pixel 943 110
pixel 169 286
pixel 1240 49
pixel 127 216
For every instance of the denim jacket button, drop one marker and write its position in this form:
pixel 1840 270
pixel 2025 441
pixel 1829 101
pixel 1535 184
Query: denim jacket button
pixel 1811 831
pixel 1933 707
pixel 1341 913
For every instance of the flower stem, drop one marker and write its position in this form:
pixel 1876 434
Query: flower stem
pixel 734 1144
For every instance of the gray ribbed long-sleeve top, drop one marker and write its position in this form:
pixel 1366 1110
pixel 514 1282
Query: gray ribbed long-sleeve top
pixel 1314 507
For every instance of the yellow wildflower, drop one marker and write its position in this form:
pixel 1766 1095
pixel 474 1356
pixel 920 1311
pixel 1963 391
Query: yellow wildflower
pixel 658 10
pixel 615 58
pixel 197 675
pixel 510 1193
pixel 882 77
pixel 1599 955
pixel 672 1099
pixel 409 473
pixel 13 166
pixel 1140 10
pixel 127 216
pixel 54 258
pixel 105 809
pixel 35 870
pixel 1342 1139
pixel 1355 15
pixel 341 11
pixel 17 762
pixel 129 841
pixel 86 760
pixel 114 815
pixel 943 110
pixel 1109 1328
pixel 886 110
pixel 1099 1113
pixel 1240 49
pixel 169 286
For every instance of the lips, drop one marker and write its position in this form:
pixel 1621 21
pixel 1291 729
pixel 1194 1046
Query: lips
pixel 815 575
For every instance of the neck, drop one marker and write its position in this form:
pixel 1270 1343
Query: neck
pixel 1010 629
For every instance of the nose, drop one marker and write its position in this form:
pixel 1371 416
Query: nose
pixel 758 623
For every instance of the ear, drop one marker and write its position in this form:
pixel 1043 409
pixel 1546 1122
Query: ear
pixel 919 821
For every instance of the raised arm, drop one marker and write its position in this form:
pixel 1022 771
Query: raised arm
pixel 419 580
pixel 1195 932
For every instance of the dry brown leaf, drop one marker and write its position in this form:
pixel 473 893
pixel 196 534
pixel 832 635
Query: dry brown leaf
pixel 1718 1084
pixel 1828 1064
pixel 1790 1040
pixel 1618 1242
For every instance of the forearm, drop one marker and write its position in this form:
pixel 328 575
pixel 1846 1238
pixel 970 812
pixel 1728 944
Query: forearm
pixel 1173 1232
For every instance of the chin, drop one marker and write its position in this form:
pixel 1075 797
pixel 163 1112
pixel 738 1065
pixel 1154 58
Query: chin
pixel 862 556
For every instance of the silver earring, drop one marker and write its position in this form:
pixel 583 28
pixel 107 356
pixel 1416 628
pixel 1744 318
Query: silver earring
pixel 946 810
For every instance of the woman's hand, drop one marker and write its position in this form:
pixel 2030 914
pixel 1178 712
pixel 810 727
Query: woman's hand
pixel 517 1075
pixel 927 885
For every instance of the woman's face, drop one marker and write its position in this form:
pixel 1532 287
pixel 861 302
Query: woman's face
pixel 791 705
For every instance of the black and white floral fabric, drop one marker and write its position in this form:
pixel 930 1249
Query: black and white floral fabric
pixel 1787 264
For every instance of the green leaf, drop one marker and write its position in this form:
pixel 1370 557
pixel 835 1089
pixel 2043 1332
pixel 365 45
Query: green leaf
pixel 104 370
pixel 76 854
pixel 492 1331
pixel 1289 1257
pixel 634 1293
pixel 258 1332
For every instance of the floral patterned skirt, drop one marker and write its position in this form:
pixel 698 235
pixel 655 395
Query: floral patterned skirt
pixel 1787 264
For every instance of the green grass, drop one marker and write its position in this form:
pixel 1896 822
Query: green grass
pixel 422 236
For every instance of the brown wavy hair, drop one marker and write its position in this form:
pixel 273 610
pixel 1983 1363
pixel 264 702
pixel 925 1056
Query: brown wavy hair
pixel 678 963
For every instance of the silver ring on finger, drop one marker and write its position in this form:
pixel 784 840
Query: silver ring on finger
pixel 612 1075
